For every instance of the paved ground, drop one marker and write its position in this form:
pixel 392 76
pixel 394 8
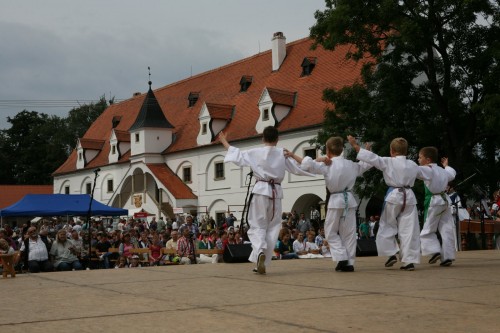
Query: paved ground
pixel 304 295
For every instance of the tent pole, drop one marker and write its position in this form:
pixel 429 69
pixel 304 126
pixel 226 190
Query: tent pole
pixel 89 214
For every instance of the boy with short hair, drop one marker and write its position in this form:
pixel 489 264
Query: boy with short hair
pixel 399 215
pixel 268 164
pixel 437 213
pixel 340 222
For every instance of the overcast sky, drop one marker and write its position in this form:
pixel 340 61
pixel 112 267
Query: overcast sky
pixel 61 50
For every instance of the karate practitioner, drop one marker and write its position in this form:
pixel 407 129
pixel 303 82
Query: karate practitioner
pixel 399 215
pixel 437 214
pixel 268 164
pixel 340 222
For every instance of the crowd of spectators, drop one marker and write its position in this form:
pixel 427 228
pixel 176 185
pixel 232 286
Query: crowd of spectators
pixel 56 245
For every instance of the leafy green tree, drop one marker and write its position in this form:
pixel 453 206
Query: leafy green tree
pixel 36 144
pixel 430 74
pixel 33 148
pixel 79 120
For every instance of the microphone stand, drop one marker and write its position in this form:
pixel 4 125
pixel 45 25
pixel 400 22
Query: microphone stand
pixel 89 213
pixel 191 238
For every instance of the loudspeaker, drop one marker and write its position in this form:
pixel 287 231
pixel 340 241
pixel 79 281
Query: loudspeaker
pixel 366 248
pixel 237 252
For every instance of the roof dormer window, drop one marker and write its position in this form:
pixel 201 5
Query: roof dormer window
pixel 193 98
pixel 265 114
pixel 308 65
pixel 116 120
pixel 245 82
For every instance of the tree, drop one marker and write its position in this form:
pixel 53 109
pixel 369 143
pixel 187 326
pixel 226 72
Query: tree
pixel 430 74
pixel 79 120
pixel 37 144
pixel 33 148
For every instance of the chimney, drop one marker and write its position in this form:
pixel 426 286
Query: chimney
pixel 278 49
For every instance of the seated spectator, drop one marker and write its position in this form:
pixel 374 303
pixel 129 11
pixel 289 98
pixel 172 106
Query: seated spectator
pixel 185 247
pixel 172 244
pixel 222 240
pixel 5 248
pixel 206 244
pixel 121 262
pixel 325 249
pixel 4 235
pixel 77 243
pixel 285 247
pixel 230 237
pixel 144 244
pixel 299 246
pixel 126 246
pixel 35 253
pixel 102 248
pixel 320 237
pixel 155 248
pixel 213 237
pixel 311 247
pixel 135 261
pixel 64 253
pixel 134 237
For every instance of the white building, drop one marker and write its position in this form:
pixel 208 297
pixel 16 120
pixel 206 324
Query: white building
pixel 159 151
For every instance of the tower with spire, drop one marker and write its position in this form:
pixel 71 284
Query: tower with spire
pixel 151 133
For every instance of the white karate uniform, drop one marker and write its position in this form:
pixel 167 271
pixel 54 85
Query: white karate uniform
pixel 439 213
pixel 268 163
pixel 399 173
pixel 340 220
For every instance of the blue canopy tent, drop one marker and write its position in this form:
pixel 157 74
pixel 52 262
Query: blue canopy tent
pixel 58 205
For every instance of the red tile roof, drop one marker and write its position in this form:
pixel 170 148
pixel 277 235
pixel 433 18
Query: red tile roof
pixel 170 180
pixel 122 136
pixel 10 194
pixel 221 86
pixel 281 96
pixel 92 143
pixel 220 111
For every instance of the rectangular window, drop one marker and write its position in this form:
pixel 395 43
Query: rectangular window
pixel 136 137
pixel 311 152
pixel 88 188
pixel 220 218
pixel 204 128
pixel 219 170
pixel 186 174
pixel 113 149
pixel 66 189
pixel 265 114
pixel 110 185
pixel 80 156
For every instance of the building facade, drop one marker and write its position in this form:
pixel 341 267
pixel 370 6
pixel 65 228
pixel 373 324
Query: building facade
pixel 159 151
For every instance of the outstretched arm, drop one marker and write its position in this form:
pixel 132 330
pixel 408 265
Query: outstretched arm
pixel 223 140
pixel 353 142
pixel 292 155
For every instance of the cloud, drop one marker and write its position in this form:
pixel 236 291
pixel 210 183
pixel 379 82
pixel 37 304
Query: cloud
pixel 82 50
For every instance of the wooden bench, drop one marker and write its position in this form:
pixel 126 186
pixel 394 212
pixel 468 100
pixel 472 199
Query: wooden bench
pixel 143 253
pixel 96 255
pixel 208 252
pixel 168 252
pixel 8 263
